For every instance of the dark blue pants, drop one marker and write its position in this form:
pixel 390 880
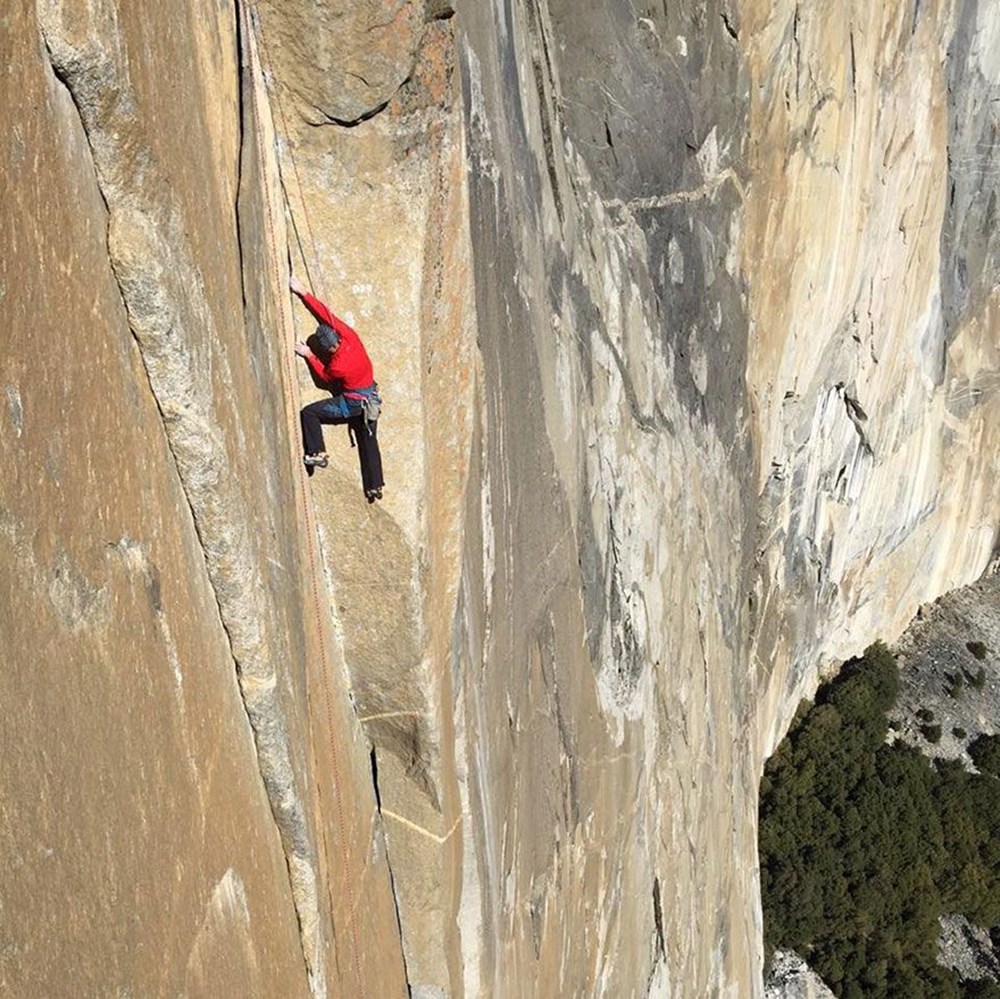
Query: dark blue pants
pixel 366 437
pixel 334 410
pixel 338 410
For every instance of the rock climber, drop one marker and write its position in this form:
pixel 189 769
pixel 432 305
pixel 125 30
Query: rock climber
pixel 339 362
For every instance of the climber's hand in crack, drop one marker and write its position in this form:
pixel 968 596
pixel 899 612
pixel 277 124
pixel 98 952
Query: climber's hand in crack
pixel 302 349
pixel 298 288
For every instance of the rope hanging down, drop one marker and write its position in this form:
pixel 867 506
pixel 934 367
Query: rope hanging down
pixel 275 90
pixel 252 21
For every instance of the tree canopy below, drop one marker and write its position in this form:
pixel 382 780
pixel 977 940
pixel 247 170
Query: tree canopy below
pixel 864 845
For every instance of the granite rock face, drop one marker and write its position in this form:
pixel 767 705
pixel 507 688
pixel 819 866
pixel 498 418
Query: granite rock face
pixel 949 666
pixel 967 949
pixel 685 318
pixel 187 792
pixel 790 978
pixel 873 366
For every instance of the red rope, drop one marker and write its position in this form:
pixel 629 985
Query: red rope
pixel 307 516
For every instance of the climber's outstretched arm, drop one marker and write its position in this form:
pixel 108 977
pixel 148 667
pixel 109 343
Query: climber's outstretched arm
pixel 319 311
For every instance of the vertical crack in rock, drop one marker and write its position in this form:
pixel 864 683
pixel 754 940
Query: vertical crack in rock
pixel 661 949
pixel 798 54
pixel 627 665
pixel 169 318
pixel 857 416
pixel 388 864
pixel 241 124
pixel 660 953
pixel 854 70
pixel 540 49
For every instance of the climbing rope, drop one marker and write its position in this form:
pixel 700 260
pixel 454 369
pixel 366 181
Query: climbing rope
pixel 283 122
pixel 252 31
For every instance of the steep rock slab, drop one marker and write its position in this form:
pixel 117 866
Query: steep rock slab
pixel 377 195
pixel 601 623
pixel 174 250
pixel 358 899
pixel 139 851
pixel 800 196
pixel 550 626
pixel 558 639
pixel 871 267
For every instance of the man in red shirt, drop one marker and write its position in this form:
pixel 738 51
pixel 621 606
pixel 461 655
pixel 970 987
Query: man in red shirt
pixel 339 362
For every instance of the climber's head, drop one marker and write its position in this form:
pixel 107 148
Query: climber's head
pixel 324 342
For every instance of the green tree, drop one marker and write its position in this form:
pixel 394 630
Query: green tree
pixel 985 753
pixel 864 846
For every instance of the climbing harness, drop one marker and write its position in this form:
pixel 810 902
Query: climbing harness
pixel 371 403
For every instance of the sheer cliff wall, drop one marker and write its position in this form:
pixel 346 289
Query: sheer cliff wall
pixel 873 369
pixel 685 320
pixel 187 794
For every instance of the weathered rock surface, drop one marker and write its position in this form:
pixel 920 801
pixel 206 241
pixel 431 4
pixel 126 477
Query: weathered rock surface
pixel 872 368
pixel 188 802
pixel 790 978
pixel 967 949
pixel 956 690
pixel 685 319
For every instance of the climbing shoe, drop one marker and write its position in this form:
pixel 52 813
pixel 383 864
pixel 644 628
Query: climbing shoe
pixel 317 460
pixel 373 494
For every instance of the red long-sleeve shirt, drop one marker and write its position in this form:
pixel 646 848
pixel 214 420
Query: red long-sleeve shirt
pixel 350 367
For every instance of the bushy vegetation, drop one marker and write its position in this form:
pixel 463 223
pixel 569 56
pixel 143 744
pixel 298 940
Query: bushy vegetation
pixel 977 679
pixel 863 845
pixel 981 988
pixel 978 649
pixel 985 753
pixel 932 733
